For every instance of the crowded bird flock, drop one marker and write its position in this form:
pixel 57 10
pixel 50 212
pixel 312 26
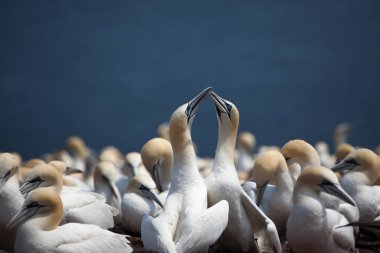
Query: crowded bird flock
pixel 297 198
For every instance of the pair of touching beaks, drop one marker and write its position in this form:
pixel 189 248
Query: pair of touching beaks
pixel 221 105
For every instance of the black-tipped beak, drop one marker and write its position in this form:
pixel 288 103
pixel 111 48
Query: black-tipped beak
pixel 345 165
pixel 194 104
pixel 150 194
pixel 221 105
pixel 337 190
pixel 70 171
pixel 261 191
pixel 22 216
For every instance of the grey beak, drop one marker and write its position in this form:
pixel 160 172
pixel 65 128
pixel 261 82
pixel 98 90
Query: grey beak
pixel 261 191
pixel 194 104
pixel 220 105
pixel 8 175
pixel 156 176
pixel 28 186
pixel 114 190
pixel 22 216
pixel 150 194
pixel 344 166
pixel 337 190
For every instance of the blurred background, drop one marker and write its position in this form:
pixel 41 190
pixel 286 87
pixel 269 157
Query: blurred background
pixel 111 72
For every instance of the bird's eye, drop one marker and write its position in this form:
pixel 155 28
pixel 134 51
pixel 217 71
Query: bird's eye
pixel 33 204
pixel 352 161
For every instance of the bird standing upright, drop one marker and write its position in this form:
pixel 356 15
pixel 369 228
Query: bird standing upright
pixel 186 224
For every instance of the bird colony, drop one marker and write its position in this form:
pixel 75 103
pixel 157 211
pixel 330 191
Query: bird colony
pixel 295 198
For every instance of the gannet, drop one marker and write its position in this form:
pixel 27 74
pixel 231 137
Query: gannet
pixel 38 230
pixel 157 157
pixel 10 198
pixel 327 160
pixel 299 155
pixel 27 167
pixel 70 182
pixel 133 166
pixel 246 144
pixel 342 151
pixel 274 199
pixel 113 155
pixel 361 171
pixel 342 131
pixel 60 155
pixel 311 227
pixel 78 151
pixel 83 158
pixel 246 221
pixel 105 178
pixel 140 198
pixel 185 225
pixel 78 207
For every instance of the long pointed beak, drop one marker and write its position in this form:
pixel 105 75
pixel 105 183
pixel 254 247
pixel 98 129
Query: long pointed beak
pixel 22 216
pixel 70 171
pixel 114 190
pixel 343 166
pixel 8 175
pixel 261 191
pixel 194 104
pixel 337 190
pixel 220 105
pixel 27 187
pixel 150 194
pixel 156 176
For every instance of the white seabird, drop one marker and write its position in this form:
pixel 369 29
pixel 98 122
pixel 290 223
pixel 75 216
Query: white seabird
pixel 38 229
pixel 313 228
pixel 246 222
pixel 140 198
pixel 78 206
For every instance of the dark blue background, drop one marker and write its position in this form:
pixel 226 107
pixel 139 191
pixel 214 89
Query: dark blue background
pixel 111 71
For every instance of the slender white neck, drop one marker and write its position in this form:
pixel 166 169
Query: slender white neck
pixel 185 170
pixel 185 161
pixel 224 154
